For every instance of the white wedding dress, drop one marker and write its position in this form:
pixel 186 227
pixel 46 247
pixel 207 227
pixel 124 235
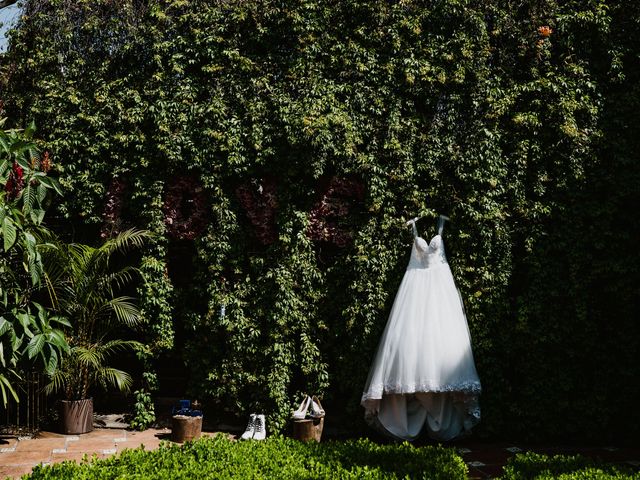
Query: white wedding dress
pixel 424 374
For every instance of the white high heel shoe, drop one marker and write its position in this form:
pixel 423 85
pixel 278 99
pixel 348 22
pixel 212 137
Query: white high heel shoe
pixel 316 408
pixel 301 412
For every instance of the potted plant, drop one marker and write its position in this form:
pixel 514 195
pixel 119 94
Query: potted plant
pixel 85 289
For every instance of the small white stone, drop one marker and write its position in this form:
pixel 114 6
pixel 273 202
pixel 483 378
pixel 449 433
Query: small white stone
pixel 513 449
pixel 120 440
pixel 475 464
pixel 59 450
pixel 611 449
pixel 73 438
pixel 464 450
pixel 635 463
pixel 7 449
pixel 108 451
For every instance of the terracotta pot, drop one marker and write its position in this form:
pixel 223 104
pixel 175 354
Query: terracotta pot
pixel 76 416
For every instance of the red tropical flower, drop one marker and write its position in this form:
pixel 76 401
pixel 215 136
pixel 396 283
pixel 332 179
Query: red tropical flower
pixel 18 171
pixel 9 186
pixel 15 182
pixel 545 31
pixel 45 164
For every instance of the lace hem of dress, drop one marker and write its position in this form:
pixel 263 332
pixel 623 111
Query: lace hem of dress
pixel 375 391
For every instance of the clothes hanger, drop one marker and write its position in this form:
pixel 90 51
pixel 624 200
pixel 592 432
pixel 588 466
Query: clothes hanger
pixel 441 221
pixel 412 222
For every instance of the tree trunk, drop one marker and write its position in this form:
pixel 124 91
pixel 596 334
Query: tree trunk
pixel 308 430
pixel 184 428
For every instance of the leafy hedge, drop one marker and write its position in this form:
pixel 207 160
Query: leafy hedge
pixel 542 467
pixel 277 147
pixel 280 458
pixel 275 458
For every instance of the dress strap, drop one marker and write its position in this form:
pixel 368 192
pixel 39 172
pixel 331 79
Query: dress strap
pixel 441 220
pixel 412 222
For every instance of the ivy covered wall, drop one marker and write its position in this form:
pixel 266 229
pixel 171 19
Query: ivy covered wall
pixel 277 148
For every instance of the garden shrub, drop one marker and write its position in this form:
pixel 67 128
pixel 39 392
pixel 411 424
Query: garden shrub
pixel 31 336
pixel 275 458
pixel 307 132
pixel 542 467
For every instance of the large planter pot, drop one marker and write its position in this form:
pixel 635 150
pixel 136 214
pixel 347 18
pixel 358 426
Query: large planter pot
pixel 76 416
pixel 185 428
pixel 308 430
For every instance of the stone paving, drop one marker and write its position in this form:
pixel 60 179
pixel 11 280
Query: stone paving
pixel 19 455
pixel 486 460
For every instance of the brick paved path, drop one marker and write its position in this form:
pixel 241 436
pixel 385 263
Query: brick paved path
pixel 19 456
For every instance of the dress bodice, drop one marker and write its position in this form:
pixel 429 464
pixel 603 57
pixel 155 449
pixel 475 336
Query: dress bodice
pixel 427 254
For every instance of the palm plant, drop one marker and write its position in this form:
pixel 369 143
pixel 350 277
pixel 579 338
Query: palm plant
pixel 85 289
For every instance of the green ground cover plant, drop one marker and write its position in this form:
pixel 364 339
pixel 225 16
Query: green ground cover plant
pixel 276 149
pixel 535 466
pixel 284 458
pixel 275 458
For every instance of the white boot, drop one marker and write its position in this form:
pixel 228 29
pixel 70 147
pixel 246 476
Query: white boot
pixel 251 428
pixel 260 428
